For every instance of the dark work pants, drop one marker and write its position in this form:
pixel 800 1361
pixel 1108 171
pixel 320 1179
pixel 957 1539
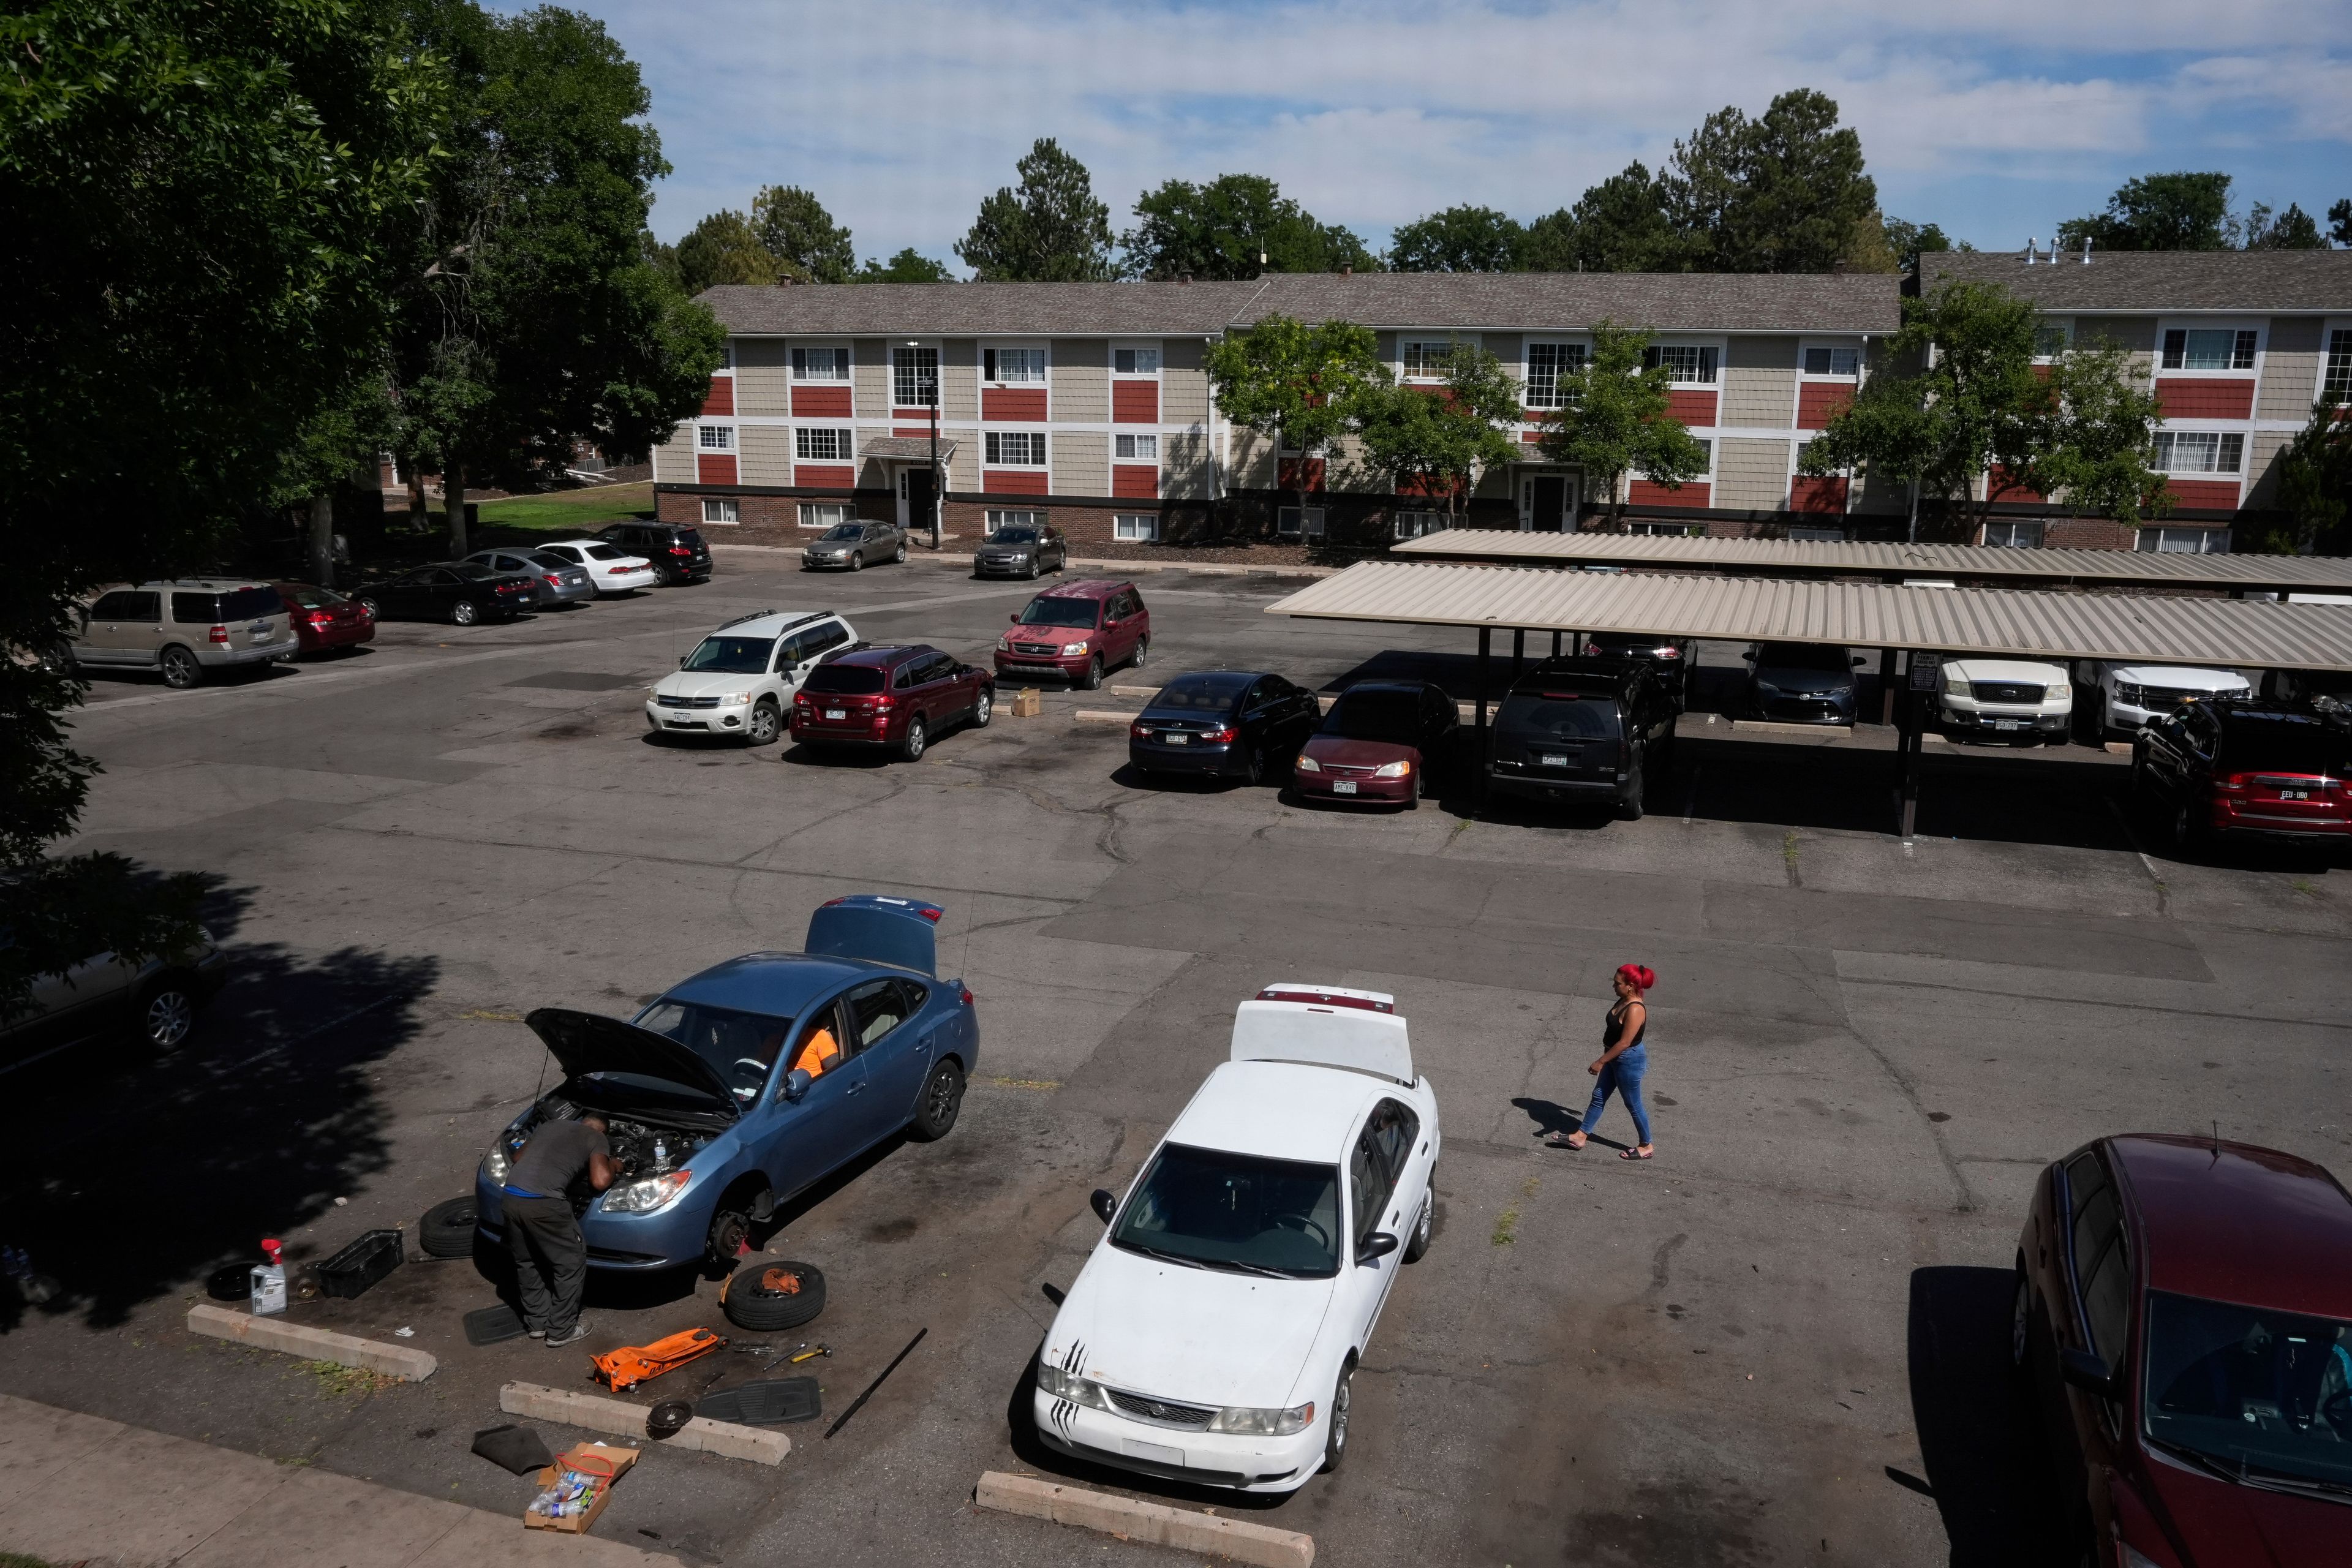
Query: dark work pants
pixel 551 1260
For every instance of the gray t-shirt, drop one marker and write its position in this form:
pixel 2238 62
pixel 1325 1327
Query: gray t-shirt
pixel 554 1158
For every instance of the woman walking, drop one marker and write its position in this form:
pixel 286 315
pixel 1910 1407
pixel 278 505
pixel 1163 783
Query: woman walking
pixel 1623 1062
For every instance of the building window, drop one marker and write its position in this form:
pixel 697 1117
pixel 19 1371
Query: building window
pixel 1136 448
pixel 1667 530
pixel 2198 452
pixel 1685 363
pixel 820 364
pixel 823 513
pixel 1016 449
pixel 1413 524
pixel 2014 535
pixel 914 377
pixel 727 354
pixel 1142 527
pixel 2215 348
pixel 1550 367
pixel 1819 535
pixel 819 446
pixel 722 508
pixel 1843 364
pixel 2184 541
pixel 1424 359
pixel 997 520
pixel 2339 378
pixel 716 437
pixel 1013 367
pixel 1293 522
pixel 2052 338
pixel 1135 362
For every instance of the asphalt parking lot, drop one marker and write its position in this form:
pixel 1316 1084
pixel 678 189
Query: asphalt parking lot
pixel 1783 1341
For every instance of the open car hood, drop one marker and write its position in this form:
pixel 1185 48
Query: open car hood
pixel 585 1043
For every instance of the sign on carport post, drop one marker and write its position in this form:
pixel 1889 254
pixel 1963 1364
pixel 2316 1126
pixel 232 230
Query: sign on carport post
pixel 1927 671
pixel 1927 674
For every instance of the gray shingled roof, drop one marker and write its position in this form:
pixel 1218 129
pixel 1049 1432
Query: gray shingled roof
pixel 905 448
pixel 2161 280
pixel 1755 302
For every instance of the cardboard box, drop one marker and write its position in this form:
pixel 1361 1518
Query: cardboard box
pixel 1028 702
pixel 597 1456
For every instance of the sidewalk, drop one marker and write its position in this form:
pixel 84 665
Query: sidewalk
pixel 80 1489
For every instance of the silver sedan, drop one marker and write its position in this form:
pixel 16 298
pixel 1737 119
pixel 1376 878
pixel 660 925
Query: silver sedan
pixel 855 545
pixel 560 582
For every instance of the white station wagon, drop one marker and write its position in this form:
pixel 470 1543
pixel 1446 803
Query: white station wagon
pixel 1213 1333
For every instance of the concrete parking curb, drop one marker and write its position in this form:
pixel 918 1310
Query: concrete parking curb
pixel 1766 727
pixel 1101 716
pixel 596 1413
pixel 403 1362
pixel 1157 1525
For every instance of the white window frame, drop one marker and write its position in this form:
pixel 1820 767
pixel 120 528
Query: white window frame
pixel 991 366
pixel 1411 349
pixel 2153 539
pixel 1294 523
pixel 900 353
pixel 1415 524
pixel 1833 348
pixel 1013 518
pixel 990 449
pixel 1576 350
pixel 826 513
pixel 714 438
pixel 1667 530
pixel 1153 348
pixel 722 511
pixel 2223 443
pixel 1135 440
pixel 843 439
pixel 1816 533
pixel 1708 369
pixel 2010 528
pixel 2329 333
pixel 726 357
pixel 1135 527
pixel 2063 326
pixel 839 353
pixel 1704 477
pixel 2237 329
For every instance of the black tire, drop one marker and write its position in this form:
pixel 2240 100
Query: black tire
pixel 1033 568
pixel 984 708
pixel 1254 775
pixel 910 749
pixel 181 670
pixel 901 557
pixel 1142 651
pixel 447 1228
pixel 465 613
pixel 1092 679
pixel 1630 809
pixel 750 1304
pixel 1416 1245
pixel 856 561
pixel 2185 835
pixel 167 1014
pixel 369 606
pixel 767 723
pixel 942 1098
pixel 1412 793
pixel 2021 1324
pixel 1335 1438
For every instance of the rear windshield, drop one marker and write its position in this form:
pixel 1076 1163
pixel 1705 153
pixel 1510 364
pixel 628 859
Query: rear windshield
pixel 1802 656
pixel 475 572
pixel 550 558
pixel 1559 716
pixel 1210 693
pixel 689 537
pixel 732 655
pixel 2286 744
pixel 1636 643
pixel 852 678
pixel 607 552
pixel 1044 612
pixel 1391 716
pixel 311 599
pixel 236 604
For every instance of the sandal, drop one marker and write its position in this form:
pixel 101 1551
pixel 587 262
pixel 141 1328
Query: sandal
pixel 1559 1141
pixel 1635 1155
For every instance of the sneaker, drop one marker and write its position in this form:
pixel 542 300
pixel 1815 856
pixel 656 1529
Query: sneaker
pixel 558 1338
pixel 536 1333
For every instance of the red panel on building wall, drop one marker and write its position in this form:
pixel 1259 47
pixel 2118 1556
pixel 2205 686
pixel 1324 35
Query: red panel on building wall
pixel 714 468
pixel 1288 479
pixel 923 433
pixel 1140 481
pixel 2216 495
pixel 2000 476
pixel 2194 398
pixel 921 416
pixel 721 400
pixel 1015 482
pixel 1022 403
pixel 820 402
pixel 1692 407
pixel 1807 493
pixel 1646 493
pixel 1135 402
pixel 824 476
pixel 1819 401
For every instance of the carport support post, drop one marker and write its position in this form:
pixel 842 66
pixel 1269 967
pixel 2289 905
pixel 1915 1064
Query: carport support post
pixel 1478 744
pixel 1555 645
pixel 1911 746
pixel 1886 685
pixel 1519 653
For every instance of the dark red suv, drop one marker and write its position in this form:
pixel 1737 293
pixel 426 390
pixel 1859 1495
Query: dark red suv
pixel 898 697
pixel 1076 631
pixel 2183 1315
pixel 2245 767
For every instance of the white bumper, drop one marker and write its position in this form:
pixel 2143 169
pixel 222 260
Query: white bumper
pixel 1203 1458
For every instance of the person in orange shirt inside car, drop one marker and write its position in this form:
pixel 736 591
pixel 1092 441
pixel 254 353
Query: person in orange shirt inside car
pixel 819 1051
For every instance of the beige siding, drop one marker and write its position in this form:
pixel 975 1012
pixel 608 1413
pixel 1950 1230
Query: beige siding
pixel 1879 496
pixel 1183 382
pixel 763 375
pixel 963 464
pixel 1080 461
pixel 674 459
pixel 766 455
pixel 1080 368
pixel 2262 450
pixel 1506 346
pixel 960 379
pixel 1751 475
pixel 2290 368
pixel 1251 456
pixel 1344 468
pixel 1760 382
pixel 868 475
pixel 1184 465
pixel 869 372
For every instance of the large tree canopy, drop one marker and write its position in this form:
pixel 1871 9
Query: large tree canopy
pixel 2158 212
pixel 1458 239
pixel 723 248
pixel 1051 230
pixel 802 235
pixel 1221 228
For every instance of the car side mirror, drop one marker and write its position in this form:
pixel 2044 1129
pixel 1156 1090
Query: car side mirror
pixel 1375 1247
pixel 681 661
pixel 2087 1372
pixel 1859 661
pixel 1104 1204
pixel 1014 618
pixel 796 1083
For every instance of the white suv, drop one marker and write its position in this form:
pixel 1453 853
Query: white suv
pixel 2007 697
pixel 740 678
pixel 2132 694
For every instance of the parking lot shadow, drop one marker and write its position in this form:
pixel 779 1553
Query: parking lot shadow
pixel 1550 1117
pixel 1984 1462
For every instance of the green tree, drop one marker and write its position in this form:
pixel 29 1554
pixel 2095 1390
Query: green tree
pixel 2158 212
pixel 725 248
pixel 2293 229
pixel 1617 226
pixel 2314 485
pixel 1051 230
pixel 199 216
pixel 1459 240
pixel 1220 230
pixel 1907 240
pixel 1438 441
pixel 1299 384
pixel 910 265
pixel 1782 193
pixel 802 235
pixel 1613 421
pixel 2339 222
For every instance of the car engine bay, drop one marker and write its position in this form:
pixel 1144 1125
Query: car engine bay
pixel 638 1149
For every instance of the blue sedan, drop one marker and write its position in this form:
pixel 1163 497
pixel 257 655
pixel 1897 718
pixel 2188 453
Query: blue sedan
pixel 753 1081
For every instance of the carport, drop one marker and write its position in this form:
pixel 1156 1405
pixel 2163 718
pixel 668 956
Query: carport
pixel 1923 623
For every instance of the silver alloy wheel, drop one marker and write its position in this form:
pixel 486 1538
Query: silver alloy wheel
pixel 180 669
pixel 901 556
pixel 1142 651
pixel 171 1014
pixel 939 1109
pixel 463 613
pixel 2020 1321
pixel 856 561
pixel 1428 1220
pixel 912 746
pixel 1341 1400
pixel 983 709
pixel 369 606
pixel 765 721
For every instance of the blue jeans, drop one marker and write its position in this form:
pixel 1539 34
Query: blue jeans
pixel 1625 1076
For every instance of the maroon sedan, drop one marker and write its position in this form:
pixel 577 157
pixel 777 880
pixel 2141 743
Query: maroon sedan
pixel 1378 744
pixel 2184 1314
pixel 323 619
pixel 897 697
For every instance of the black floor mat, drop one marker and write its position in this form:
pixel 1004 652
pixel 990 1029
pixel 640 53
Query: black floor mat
pixel 517 1448
pixel 768 1403
pixel 491 1324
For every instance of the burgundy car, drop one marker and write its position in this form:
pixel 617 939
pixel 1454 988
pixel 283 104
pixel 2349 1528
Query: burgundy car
pixel 324 619
pixel 1379 742
pixel 1076 631
pixel 897 697
pixel 2184 1314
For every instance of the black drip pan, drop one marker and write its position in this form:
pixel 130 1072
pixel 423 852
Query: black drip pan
pixel 768 1403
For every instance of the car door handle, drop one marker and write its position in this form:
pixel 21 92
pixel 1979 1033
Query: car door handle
pixel 857 1088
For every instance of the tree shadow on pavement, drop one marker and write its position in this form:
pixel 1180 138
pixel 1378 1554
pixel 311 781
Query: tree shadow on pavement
pixel 1984 1461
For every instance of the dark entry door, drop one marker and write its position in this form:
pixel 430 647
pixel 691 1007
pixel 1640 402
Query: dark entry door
pixel 918 501
pixel 1550 502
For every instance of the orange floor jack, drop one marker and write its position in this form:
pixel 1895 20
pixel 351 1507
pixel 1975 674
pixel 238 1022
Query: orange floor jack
pixel 634 1365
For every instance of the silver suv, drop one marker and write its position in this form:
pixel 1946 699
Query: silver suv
pixel 186 629
pixel 740 680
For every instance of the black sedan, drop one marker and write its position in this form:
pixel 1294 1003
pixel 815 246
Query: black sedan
pixel 1021 550
pixel 458 592
pixel 1669 659
pixel 1800 683
pixel 1225 723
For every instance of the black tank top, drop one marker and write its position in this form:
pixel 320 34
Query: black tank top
pixel 1617 1028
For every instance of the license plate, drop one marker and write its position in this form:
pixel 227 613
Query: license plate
pixel 2007 723
pixel 1177 739
pixel 1343 786
pixel 2294 794
pixel 685 723
pixel 836 714
pixel 1154 1452
pixel 1554 759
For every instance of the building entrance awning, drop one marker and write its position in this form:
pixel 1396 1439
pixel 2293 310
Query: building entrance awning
pixel 904 449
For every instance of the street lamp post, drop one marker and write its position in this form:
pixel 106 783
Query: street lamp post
pixel 938 491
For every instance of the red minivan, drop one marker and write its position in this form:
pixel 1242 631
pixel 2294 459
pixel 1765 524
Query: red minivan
pixel 2183 1317
pixel 1075 631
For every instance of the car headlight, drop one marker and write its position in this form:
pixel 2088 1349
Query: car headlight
pixel 1072 649
pixel 495 1164
pixel 1246 1421
pixel 1392 769
pixel 1005 642
pixel 734 699
pixel 648 1196
pixel 1308 764
pixel 1954 686
pixel 1059 1385
pixel 2129 696
pixel 1766 686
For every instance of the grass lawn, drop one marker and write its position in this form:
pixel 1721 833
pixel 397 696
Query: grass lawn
pixel 571 511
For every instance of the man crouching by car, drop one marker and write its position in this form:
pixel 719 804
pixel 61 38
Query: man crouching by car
pixel 550 1257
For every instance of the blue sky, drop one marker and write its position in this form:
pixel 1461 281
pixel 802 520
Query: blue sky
pixel 1995 118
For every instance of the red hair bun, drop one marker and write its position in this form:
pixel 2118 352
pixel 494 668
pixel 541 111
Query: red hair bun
pixel 1641 976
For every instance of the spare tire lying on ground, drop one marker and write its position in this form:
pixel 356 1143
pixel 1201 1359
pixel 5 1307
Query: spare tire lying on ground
pixel 772 1293
pixel 447 1229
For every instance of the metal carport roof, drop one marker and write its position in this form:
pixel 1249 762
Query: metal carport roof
pixel 2018 621
pixel 2297 573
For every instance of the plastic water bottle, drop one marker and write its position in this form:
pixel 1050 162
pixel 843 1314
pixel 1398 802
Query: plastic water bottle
pixel 661 1155
pixel 269 1278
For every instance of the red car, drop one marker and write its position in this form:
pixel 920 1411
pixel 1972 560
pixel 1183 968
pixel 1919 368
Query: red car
pixel 2183 1313
pixel 2246 766
pixel 897 697
pixel 324 619
pixel 1379 742
pixel 1076 631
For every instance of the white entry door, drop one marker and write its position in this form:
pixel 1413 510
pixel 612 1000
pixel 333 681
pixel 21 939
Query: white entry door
pixel 1547 503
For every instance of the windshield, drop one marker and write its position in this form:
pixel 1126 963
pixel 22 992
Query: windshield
pixel 1043 612
pixel 732 655
pixel 1209 693
pixel 1013 536
pixel 1560 716
pixel 2267 1395
pixel 1391 716
pixel 2282 744
pixel 1235 1212
pixel 853 678
pixel 843 530
pixel 741 1047
pixel 1802 656
pixel 1635 644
